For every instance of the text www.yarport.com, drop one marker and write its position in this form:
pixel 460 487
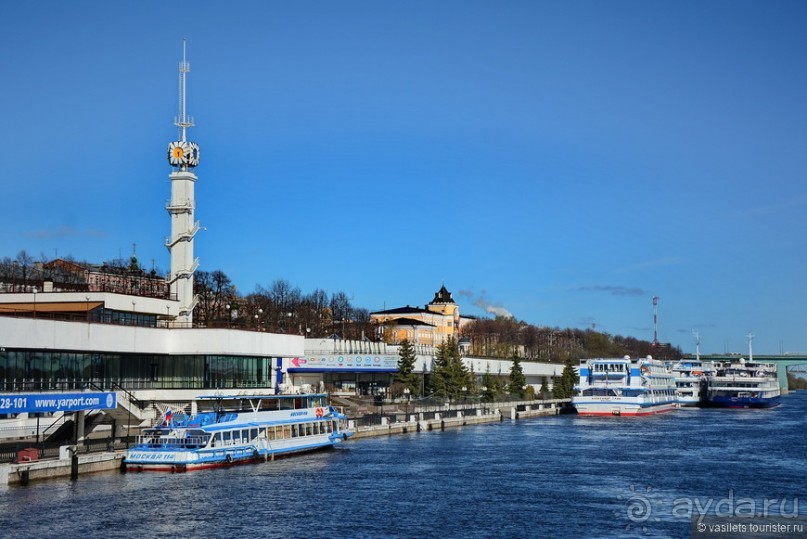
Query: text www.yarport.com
pixel 67 403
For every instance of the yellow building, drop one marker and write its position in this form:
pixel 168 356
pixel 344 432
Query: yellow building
pixel 432 325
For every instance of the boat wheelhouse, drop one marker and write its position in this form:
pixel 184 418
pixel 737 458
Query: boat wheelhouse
pixel 743 384
pixel 228 430
pixel 626 386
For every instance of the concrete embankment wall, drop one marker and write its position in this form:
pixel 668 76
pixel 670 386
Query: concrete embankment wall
pixel 457 418
pixel 65 467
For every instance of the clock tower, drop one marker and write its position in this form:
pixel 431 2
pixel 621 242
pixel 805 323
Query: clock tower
pixel 183 157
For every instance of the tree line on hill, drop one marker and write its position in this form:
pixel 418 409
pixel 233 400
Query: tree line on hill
pixel 284 308
pixel 502 337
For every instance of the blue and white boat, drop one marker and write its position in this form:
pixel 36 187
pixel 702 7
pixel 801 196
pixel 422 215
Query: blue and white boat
pixel 743 384
pixel 630 387
pixel 228 430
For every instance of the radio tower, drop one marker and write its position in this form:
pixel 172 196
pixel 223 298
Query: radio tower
pixel 655 321
pixel 183 157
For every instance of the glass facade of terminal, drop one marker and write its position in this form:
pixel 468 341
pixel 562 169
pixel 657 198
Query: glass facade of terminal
pixel 49 370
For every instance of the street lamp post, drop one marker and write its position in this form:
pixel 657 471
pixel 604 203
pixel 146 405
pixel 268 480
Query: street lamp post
pixel 407 396
pixel 258 317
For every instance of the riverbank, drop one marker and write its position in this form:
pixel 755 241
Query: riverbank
pixel 70 465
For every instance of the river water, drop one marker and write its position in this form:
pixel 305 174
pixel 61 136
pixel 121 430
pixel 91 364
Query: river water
pixel 562 476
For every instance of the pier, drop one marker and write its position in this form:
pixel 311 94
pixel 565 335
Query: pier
pixel 68 465
pixel 459 416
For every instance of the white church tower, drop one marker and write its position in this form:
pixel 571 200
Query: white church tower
pixel 183 156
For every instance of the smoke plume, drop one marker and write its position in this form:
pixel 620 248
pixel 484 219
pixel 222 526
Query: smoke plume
pixel 482 302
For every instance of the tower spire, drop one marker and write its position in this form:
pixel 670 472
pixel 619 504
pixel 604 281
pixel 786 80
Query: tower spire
pixel 183 154
pixel 183 121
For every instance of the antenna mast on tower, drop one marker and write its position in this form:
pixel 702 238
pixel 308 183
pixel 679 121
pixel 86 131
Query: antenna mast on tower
pixel 183 154
pixel 655 320
pixel 183 121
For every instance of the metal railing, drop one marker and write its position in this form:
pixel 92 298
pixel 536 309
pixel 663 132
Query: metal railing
pixel 47 450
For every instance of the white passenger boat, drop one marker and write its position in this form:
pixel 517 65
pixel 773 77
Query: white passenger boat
pixel 631 387
pixel 690 380
pixel 228 430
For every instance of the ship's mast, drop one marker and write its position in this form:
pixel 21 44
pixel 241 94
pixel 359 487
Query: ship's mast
pixel 697 337
pixel 750 337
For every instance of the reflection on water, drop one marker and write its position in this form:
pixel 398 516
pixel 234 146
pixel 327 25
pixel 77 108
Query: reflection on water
pixel 556 477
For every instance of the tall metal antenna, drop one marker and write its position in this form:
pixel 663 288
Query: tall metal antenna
pixel 697 337
pixel 750 347
pixel 655 321
pixel 183 121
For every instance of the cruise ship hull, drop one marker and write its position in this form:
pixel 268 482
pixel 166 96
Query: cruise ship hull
pixel 742 402
pixel 620 408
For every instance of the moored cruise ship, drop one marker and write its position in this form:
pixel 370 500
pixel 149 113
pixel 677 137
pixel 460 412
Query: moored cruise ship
pixel 743 384
pixel 631 387
pixel 232 430
pixel 690 380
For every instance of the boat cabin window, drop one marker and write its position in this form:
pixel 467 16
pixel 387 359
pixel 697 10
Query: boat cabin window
pixel 270 404
pixel 316 401
pixel 253 433
pixel 286 404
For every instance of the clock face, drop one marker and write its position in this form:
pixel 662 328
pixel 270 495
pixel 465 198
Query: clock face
pixel 192 156
pixel 183 154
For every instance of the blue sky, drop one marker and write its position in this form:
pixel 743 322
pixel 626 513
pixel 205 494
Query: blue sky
pixel 565 161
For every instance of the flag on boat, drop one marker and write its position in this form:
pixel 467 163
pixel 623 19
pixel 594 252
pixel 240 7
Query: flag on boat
pixel 168 416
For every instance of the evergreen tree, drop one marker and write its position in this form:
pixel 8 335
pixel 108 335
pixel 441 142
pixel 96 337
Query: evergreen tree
pixel 517 379
pixel 406 369
pixel 544 391
pixel 450 374
pixel 489 385
pixel 438 382
pixel 557 390
pixel 564 386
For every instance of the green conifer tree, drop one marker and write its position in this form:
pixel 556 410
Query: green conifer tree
pixel 489 385
pixel 439 379
pixel 406 369
pixel 517 379
pixel 450 374
pixel 544 391
pixel 564 386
